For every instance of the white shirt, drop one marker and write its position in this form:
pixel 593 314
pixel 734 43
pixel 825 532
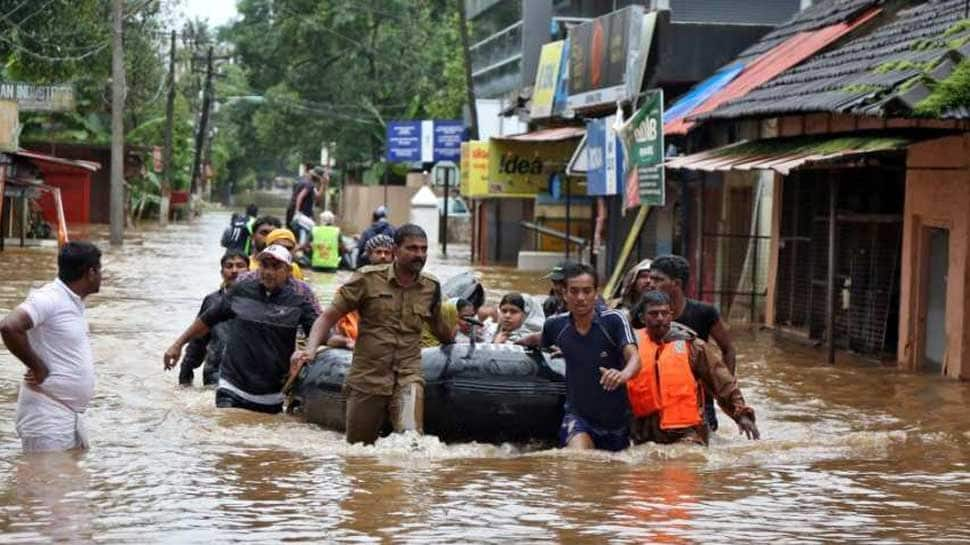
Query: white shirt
pixel 60 337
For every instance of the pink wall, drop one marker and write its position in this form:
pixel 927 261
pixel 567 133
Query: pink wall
pixel 937 195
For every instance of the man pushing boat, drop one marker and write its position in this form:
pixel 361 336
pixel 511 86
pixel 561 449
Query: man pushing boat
pixel 394 301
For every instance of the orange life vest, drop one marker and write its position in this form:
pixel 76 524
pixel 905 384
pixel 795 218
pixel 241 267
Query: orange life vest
pixel 665 384
pixel 348 325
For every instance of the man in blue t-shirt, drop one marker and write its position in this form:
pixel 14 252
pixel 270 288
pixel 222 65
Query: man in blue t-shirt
pixel 601 355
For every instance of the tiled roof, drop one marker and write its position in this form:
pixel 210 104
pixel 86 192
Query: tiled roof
pixel 884 72
pixel 820 14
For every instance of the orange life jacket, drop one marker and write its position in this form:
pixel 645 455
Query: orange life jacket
pixel 348 325
pixel 665 384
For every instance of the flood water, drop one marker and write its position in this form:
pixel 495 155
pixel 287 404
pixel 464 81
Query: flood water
pixel 852 453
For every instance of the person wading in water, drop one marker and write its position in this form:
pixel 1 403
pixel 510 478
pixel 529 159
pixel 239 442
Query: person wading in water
pixel 210 347
pixel 265 313
pixel 677 368
pixel 669 274
pixel 49 334
pixel 385 380
pixel 601 356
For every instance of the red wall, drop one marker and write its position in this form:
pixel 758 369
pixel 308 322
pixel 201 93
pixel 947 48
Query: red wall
pixel 75 185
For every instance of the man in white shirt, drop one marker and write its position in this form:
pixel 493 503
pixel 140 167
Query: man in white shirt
pixel 49 334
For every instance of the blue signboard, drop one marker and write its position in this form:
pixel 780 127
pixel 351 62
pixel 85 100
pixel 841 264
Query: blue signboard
pixel 424 141
pixel 605 158
pixel 447 140
pixel 404 141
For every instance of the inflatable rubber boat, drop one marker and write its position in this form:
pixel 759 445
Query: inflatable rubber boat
pixel 490 393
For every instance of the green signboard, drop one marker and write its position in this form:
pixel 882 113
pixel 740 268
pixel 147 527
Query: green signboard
pixel 643 137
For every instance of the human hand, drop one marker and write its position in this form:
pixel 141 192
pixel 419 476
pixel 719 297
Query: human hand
pixel 746 426
pixel 36 375
pixel 351 344
pixel 172 356
pixel 611 379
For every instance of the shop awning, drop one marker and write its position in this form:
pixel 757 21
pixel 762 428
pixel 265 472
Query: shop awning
pixel 90 166
pixel 557 134
pixel 783 155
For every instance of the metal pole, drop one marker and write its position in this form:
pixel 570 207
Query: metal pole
pixel 568 213
pixel 23 219
pixel 444 221
pixel 117 206
pixel 3 186
pixel 592 239
pixel 169 123
pixel 830 301
pixel 754 258
pixel 387 168
pixel 700 240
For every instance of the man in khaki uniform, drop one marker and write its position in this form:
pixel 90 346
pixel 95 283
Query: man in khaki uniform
pixel 394 302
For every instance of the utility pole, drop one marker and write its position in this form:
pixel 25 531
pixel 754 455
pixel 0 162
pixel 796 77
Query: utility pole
pixel 469 83
pixel 169 121
pixel 203 123
pixel 117 207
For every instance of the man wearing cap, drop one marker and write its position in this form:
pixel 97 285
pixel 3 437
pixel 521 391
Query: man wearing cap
pixel 286 239
pixel 265 312
pixel 556 302
pixel 380 226
pixel 395 301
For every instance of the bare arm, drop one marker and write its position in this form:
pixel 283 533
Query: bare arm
pixel 197 329
pixel 611 379
pixel 535 339
pixel 723 339
pixel 320 332
pixel 13 329
pixel 299 199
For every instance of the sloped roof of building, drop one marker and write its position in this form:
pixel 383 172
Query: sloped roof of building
pixel 886 72
pixel 793 50
pixel 820 14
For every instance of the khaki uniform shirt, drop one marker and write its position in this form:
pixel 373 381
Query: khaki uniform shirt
pixel 388 348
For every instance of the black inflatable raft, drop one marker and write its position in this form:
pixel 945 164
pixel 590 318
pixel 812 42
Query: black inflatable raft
pixel 487 393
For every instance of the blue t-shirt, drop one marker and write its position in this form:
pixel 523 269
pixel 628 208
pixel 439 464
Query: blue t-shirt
pixel 602 346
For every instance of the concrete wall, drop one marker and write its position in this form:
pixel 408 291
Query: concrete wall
pixel 357 203
pixel 937 195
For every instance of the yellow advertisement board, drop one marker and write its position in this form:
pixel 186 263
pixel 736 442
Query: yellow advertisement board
pixel 519 169
pixel 547 76
pixel 474 169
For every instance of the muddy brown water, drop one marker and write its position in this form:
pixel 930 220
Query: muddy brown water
pixel 852 453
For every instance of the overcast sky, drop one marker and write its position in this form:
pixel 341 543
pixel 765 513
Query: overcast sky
pixel 218 12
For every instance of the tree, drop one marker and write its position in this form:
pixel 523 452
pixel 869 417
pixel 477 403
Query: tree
pixel 339 71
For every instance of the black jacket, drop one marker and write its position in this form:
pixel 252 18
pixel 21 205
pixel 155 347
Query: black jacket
pixel 261 335
pixel 208 348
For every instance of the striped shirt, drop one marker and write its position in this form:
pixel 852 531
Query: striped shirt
pixel 601 346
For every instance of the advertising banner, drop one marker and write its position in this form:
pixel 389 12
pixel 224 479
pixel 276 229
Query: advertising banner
pixel 547 78
pixel 474 169
pixel 643 136
pixel 607 57
pixel 520 169
pixel 604 155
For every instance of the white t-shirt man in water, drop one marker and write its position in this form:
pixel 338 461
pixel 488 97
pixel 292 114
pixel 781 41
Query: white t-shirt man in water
pixel 49 334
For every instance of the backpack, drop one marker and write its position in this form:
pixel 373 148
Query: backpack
pixel 236 236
